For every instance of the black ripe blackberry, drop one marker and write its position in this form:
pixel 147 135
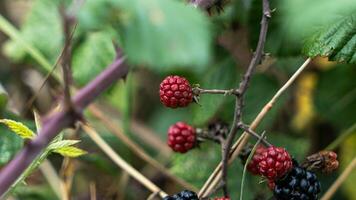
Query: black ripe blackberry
pixel 183 195
pixel 298 184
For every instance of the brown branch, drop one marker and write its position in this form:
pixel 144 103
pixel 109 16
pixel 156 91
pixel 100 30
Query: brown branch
pixel 66 59
pixel 256 59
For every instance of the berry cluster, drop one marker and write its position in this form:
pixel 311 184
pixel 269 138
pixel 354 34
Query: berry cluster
pixel 181 137
pixel 285 177
pixel 299 184
pixel 183 195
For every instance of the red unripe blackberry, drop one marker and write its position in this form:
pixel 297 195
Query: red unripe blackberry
pixel 274 162
pixel 252 166
pixel 175 91
pixel 181 137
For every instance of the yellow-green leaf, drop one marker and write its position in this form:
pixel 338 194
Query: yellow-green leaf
pixel 19 128
pixel 70 151
pixel 62 144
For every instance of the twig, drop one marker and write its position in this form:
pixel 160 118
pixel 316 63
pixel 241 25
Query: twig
pixel 108 123
pixel 239 144
pixel 247 129
pixel 341 138
pixel 345 174
pixel 92 189
pixel 56 122
pixel 66 59
pixel 121 162
pixel 266 15
pixel 198 91
pixel 248 161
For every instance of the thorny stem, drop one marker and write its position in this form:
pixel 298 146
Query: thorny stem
pixel 198 91
pixel 256 59
pixel 57 121
pixel 66 59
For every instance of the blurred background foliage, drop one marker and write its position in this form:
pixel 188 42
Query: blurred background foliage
pixel 162 37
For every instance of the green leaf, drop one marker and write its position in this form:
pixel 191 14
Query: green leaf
pixel 3 98
pixel 42 29
pixel 337 41
pixel 223 76
pixel 92 56
pixel 20 129
pixel 10 144
pixel 161 33
pixel 70 151
pixel 62 143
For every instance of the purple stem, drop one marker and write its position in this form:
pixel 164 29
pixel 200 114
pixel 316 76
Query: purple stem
pixel 56 122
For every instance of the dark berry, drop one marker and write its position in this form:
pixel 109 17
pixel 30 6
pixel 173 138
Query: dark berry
pixel 298 184
pixel 183 195
pixel 175 91
pixel 181 137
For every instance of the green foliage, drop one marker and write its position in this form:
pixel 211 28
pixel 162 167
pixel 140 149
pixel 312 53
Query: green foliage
pixel 163 33
pixel 42 29
pixel 261 90
pixel 3 98
pixel 336 94
pixel 336 41
pixel 92 56
pixel 9 145
pixel 223 75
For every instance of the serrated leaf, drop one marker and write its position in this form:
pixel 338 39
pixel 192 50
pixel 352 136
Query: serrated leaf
pixel 70 151
pixel 62 144
pixel 336 41
pixel 3 98
pixel 161 33
pixel 92 56
pixel 19 128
